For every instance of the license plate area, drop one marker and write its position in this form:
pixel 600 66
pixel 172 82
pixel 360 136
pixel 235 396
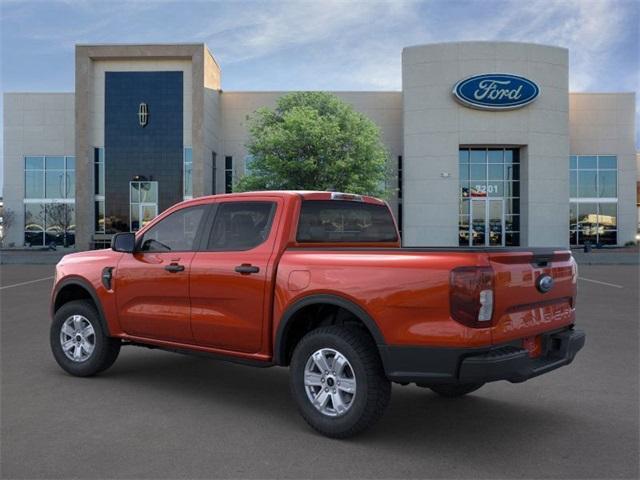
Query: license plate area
pixel 533 345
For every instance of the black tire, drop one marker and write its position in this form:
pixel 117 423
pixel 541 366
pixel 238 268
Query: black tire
pixel 373 388
pixel 105 351
pixel 455 389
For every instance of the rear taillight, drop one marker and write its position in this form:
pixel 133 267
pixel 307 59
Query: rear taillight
pixel 471 296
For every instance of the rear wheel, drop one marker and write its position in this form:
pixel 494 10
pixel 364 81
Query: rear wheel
pixel 338 382
pixel 79 343
pixel 456 389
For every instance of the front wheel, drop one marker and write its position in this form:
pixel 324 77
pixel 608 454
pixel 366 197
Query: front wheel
pixel 79 343
pixel 338 381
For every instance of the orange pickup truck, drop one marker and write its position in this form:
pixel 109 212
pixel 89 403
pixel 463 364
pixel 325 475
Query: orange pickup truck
pixel 318 281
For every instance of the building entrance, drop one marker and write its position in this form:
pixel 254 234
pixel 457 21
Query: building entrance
pixel 489 213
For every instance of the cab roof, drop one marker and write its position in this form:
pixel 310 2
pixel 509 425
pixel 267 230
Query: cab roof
pixel 305 194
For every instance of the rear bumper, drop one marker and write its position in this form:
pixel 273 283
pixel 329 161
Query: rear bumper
pixel 428 365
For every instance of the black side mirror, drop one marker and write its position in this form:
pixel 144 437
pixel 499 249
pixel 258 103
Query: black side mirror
pixel 123 242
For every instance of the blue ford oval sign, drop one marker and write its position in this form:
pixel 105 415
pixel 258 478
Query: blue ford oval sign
pixel 496 91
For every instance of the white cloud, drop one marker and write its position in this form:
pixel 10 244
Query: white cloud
pixel 591 30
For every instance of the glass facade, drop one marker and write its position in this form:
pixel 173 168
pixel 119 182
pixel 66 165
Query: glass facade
pixel 143 203
pixel 49 200
pixel 98 183
pixel 489 197
pixel 593 212
pixel 153 152
pixel 187 173
pixel 228 174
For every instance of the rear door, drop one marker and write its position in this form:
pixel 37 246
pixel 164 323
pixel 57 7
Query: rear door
pixel 527 303
pixel 230 278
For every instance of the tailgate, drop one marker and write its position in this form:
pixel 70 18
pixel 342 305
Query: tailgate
pixel 521 306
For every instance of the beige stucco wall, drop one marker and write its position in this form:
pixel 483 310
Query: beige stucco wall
pixel 604 124
pixel 34 124
pixel 212 143
pixel 436 125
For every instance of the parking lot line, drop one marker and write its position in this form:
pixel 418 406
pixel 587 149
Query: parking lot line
pixel 600 283
pixel 27 283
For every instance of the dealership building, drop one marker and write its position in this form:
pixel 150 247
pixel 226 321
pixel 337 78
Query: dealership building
pixel 487 146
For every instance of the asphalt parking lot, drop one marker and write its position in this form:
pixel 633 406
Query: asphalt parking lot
pixel 164 415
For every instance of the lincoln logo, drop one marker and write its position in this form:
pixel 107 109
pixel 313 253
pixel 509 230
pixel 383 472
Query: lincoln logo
pixel 143 114
pixel 496 91
pixel 544 283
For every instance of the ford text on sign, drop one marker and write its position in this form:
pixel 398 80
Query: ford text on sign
pixel 496 91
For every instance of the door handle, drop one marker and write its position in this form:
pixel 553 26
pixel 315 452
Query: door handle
pixel 247 269
pixel 174 267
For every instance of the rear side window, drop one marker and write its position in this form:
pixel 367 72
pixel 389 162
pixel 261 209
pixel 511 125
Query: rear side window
pixel 176 233
pixel 333 221
pixel 241 225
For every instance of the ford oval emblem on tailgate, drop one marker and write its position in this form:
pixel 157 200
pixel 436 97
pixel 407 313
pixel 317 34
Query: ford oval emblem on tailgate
pixel 544 283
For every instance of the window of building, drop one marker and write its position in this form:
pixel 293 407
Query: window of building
pixel 187 173
pixel 399 177
pixel 49 200
pixel 143 201
pixel 175 233
pixel 241 225
pixel 98 185
pixel 400 194
pixel 489 197
pixel 228 174
pixel 593 213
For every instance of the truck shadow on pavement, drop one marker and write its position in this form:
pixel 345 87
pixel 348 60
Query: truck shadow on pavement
pixel 415 415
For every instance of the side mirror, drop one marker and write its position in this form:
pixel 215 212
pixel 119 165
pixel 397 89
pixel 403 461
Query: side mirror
pixel 123 242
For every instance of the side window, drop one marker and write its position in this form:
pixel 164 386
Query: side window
pixel 177 232
pixel 241 225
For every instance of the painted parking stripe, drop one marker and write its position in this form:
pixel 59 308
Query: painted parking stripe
pixel 27 283
pixel 600 283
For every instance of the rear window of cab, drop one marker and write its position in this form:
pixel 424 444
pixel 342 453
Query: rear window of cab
pixel 335 221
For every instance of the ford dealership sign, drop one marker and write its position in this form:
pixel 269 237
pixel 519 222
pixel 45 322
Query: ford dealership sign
pixel 496 91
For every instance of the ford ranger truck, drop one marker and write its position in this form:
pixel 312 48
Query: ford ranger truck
pixel 318 282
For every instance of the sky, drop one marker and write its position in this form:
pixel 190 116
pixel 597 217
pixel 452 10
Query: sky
pixel 316 45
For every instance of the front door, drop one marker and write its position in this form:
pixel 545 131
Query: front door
pixel 487 222
pixel 152 284
pixel 230 278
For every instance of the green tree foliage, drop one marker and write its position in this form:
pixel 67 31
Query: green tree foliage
pixel 314 141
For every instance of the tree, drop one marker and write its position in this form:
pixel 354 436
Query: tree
pixel 314 141
pixel 60 221
pixel 8 219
